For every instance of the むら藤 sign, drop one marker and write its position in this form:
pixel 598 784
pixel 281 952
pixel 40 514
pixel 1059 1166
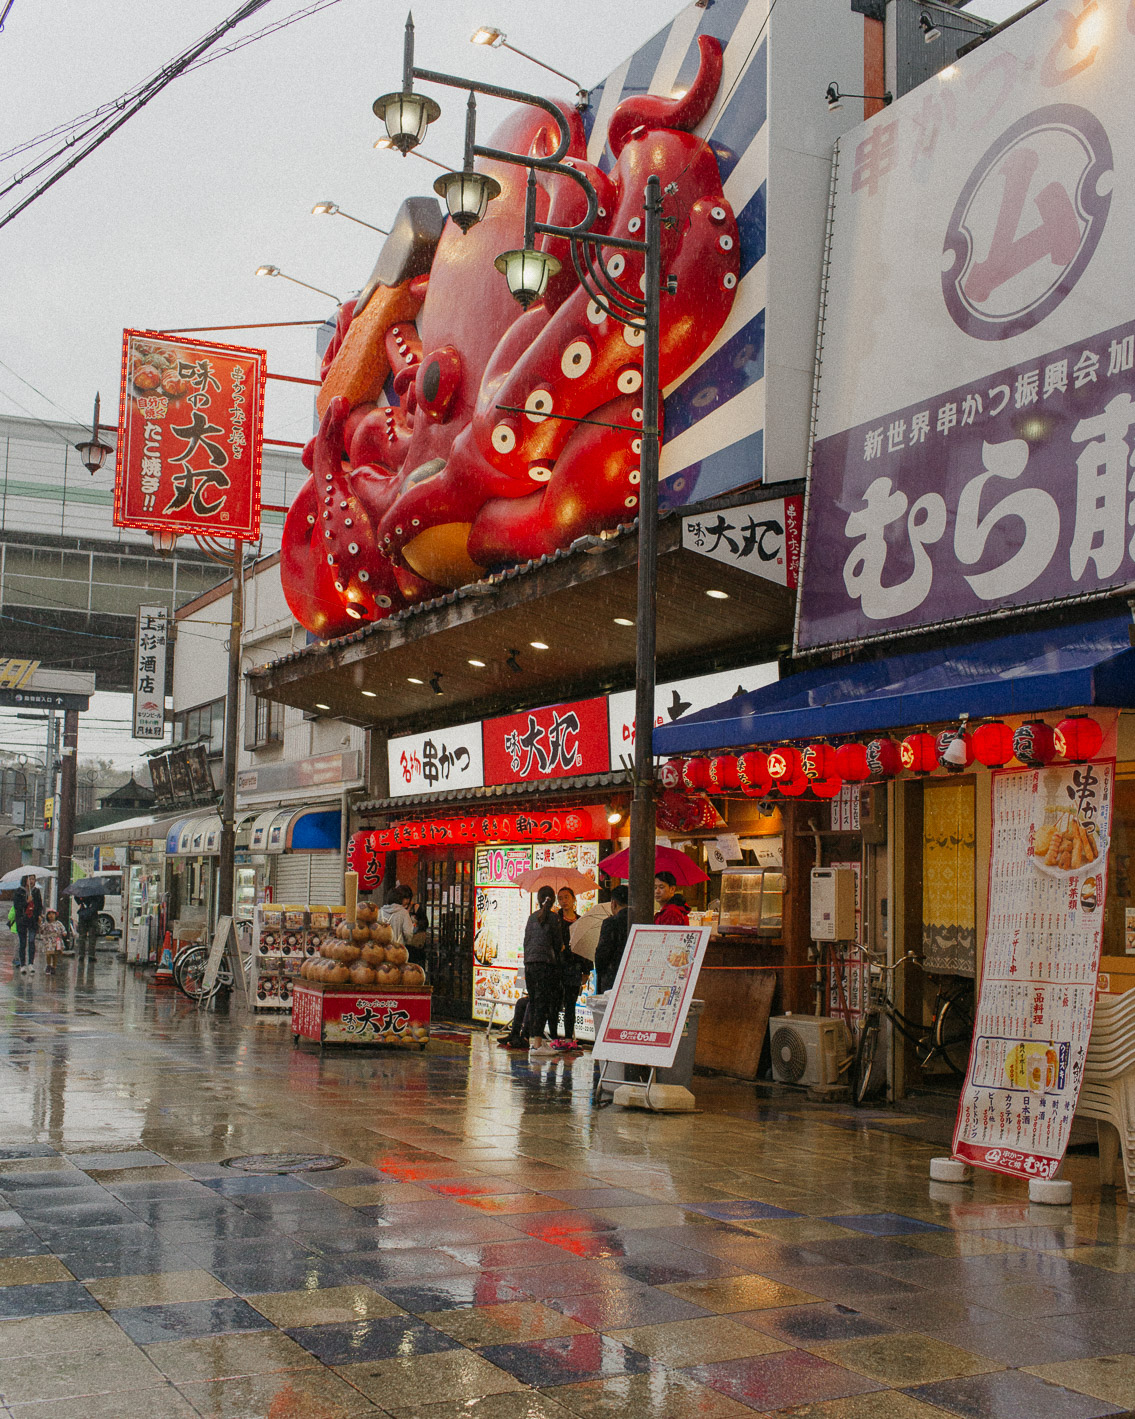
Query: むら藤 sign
pixel 190 437
pixel 976 411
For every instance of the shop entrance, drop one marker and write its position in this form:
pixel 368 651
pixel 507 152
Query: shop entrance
pixel 445 891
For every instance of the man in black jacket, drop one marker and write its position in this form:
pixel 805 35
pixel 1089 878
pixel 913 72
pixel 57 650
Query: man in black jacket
pixel 87 918
pixel 28 905
pixel 612 940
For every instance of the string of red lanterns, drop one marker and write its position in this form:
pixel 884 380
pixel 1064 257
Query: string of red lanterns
pixel 824 768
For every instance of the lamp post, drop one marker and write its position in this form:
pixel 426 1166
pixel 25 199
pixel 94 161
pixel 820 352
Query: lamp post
pixel 93 451
pixel 527 271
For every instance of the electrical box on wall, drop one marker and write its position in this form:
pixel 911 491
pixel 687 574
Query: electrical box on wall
pixel 833 904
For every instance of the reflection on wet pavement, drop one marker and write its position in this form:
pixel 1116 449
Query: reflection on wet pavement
pixel 494 1249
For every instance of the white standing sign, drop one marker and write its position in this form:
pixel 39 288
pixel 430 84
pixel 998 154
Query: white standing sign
pixel 150 642
pixel 648 1004
pixel 441 760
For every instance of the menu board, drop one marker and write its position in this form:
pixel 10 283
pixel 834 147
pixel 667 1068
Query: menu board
pixel 647 1005
pixel 1047 887
pixel 501 911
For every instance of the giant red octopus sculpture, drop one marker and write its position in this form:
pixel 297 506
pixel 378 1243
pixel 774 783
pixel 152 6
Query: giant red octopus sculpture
pixel 410 498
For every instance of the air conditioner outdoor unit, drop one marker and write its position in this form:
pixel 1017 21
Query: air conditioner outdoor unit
pixel 807 1049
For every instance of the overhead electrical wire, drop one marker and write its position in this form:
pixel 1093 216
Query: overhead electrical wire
pixel 135 100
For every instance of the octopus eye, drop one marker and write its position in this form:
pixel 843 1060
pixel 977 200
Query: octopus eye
pixel 725 243
pixel 310 519
pixel 629 381
pixel 353 548
pixel 577 359
pixel 383 601
pixel 595 313
pixel 630 502
pixel 729 280
pixel 717 213
pixel 364 576
pixel 338 586
pixel 636 445
pixel 504 438
pixel 634 334
pixel 635 475
pixel 538 405
pixel 539 474
pixel 330 560
pixel 634 224
pixel 617 264
pixel 636 415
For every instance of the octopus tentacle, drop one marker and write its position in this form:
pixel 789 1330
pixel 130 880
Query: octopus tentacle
pixel 652 111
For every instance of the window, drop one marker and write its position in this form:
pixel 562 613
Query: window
pixel 205 722
pixel 263 722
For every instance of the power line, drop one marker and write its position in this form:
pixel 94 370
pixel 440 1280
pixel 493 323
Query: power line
pixel 149 90
pixel 46 397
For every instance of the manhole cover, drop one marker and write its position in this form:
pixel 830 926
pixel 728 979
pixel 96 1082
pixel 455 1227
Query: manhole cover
pixel 270 1163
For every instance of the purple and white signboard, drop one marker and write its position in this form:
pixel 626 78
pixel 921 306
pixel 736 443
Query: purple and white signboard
pixel 976 415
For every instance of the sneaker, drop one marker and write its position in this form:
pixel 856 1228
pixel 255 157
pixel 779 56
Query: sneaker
pixel 542 1051
pixel 23 970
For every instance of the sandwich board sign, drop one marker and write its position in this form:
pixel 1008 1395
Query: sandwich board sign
pixel 648 1004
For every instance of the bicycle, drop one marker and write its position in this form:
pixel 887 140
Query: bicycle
pixel 189 973
pixel 946 1038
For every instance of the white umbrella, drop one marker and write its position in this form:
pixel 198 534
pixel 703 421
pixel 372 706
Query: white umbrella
pixel 11 880
pixel 585 932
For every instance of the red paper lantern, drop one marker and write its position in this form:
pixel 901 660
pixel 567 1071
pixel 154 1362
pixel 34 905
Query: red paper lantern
pixel 1034 744
pixel 786 764
pixel 851 763
pixel 993 744
pixel 695 774
pixel 962 746
pixel 919 753
pixel 884 758
pixel 818 762
pixel 1078 738
pixel 827 787
pixel 670 774
pixel 794 786
pixel 752 771
pixel 723 772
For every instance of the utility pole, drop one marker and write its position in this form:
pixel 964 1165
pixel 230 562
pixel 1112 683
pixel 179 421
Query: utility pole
pixel 225 887
pixel 65 808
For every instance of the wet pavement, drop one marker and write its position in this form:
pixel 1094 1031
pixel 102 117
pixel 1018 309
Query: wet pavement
pixel 494 1249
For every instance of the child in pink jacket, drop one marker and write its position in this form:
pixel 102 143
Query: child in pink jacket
pixel 52 939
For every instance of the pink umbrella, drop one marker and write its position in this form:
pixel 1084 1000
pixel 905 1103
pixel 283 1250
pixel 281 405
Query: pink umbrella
pixel 555 877
pixel 666 859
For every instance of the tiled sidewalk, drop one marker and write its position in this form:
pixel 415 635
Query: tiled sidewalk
pixel 495 1250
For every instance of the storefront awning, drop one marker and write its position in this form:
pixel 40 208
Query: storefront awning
pixel 312 829
pixel 195 837
pixel 151 825
pixel 1067 667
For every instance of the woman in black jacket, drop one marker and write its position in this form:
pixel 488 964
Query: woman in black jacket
pixel 543 943
pixel 28 906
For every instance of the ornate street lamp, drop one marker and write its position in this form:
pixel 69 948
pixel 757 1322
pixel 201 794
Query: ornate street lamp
pixel 93 451
pixel 528 271
pixel 467 193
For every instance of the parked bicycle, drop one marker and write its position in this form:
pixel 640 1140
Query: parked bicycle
pixel 945 1040
pixel 189 973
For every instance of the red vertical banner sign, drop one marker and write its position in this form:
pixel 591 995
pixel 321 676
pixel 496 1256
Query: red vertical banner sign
pixel 1047 889
pixel 190 437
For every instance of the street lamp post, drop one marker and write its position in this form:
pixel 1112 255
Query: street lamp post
pixel 407 116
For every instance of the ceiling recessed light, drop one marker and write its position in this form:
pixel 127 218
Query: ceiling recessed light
pixel 718 595
pixel 622 621
pixel 537 645
pixel 326 707
pixel 370 694
pixel 413 679
pixel 480 664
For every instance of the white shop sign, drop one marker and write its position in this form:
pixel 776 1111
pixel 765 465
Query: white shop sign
pixel 440 760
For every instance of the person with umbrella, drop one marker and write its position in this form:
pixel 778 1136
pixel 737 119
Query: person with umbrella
pixel 612 941
pixel 91 902
pixel 28 906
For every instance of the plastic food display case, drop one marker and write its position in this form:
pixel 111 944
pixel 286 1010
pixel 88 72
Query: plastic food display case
pixel 752 901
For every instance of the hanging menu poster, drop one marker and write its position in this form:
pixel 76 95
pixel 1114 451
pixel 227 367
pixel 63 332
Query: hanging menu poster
pixel 1047 886
pixel 647 1005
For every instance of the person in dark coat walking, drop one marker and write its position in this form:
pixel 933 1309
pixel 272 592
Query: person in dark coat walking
pixel 612 940
pixel 28 906
pixel 543 942
pixel 87 918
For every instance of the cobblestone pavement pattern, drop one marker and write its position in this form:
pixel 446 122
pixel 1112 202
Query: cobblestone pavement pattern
pixel 493 1249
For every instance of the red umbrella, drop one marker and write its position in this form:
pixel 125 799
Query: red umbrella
pixel 666 859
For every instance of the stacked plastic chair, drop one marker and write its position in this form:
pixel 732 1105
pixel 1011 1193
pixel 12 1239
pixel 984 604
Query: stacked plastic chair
pixel 1108 1090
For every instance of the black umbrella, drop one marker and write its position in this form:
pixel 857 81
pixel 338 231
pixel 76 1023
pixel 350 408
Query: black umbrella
pixel 89 887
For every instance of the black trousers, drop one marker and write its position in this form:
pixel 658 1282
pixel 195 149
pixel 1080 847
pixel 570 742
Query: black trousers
pixel 543 980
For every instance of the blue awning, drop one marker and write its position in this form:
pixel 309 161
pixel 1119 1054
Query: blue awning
pixel 1060 668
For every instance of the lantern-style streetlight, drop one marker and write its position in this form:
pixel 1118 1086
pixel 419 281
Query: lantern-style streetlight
pixel 467 193
pixel 528 271
pixel 93 451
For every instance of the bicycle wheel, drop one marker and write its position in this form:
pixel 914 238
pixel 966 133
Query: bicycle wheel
pixel 189 973
pixel 953 1034
pixel 864 1065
